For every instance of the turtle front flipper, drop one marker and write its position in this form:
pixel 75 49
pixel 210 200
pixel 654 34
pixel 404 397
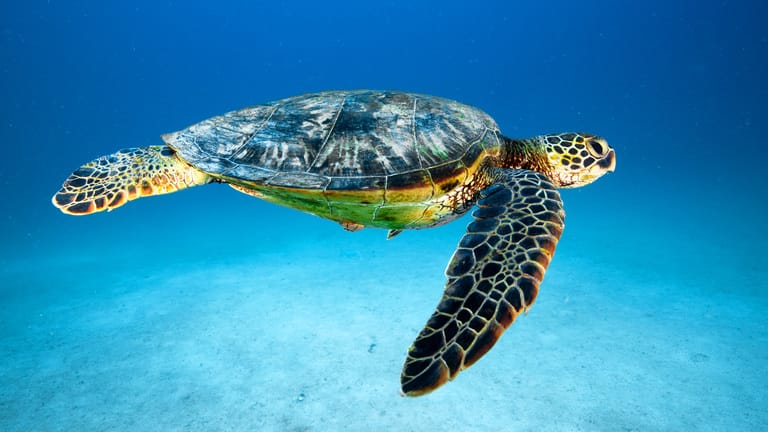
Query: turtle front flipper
pixel 111 181
pixel 493 276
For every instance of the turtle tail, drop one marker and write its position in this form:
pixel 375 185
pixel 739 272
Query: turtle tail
pixel 111 181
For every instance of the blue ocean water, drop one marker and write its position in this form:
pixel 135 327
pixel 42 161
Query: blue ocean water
pixel 211 310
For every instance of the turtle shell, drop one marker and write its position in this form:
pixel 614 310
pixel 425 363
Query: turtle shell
pixel 364 158
pixel 341 140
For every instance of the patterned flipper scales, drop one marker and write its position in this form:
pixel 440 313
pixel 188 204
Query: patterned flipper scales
pixel 111 181
pixel 493 276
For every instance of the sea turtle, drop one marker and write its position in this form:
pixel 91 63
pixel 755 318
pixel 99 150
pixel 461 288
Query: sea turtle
pixel 383 159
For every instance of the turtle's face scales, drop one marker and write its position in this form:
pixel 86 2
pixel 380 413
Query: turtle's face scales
pixel 577 159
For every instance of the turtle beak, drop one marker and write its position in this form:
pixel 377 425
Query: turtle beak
pixel 608 163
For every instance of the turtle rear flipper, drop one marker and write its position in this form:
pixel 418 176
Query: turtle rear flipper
pixel 111 181
pixel 493 276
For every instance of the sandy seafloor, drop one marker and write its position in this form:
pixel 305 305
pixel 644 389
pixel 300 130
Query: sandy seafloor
pixel 270 320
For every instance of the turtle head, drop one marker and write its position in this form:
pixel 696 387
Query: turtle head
pixel 577 159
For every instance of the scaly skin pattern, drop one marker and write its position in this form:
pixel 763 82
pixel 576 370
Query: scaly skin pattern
pixel 111 181
pixel 576 159
pixel 494 276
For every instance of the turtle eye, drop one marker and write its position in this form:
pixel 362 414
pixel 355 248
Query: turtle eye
pixel 596 148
